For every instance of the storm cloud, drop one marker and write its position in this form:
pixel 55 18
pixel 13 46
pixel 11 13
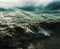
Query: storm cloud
pixel 30 5
pixel 53 5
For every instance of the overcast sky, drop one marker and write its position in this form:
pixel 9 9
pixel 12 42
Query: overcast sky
pixel 13 3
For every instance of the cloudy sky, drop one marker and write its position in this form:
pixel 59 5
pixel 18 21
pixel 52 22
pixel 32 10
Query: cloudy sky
pixel 13 3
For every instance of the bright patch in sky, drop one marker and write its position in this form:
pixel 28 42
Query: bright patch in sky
pixel 10 1
pixel 43 1
pixel 13 3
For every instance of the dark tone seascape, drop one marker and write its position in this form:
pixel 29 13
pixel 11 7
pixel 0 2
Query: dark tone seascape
pixel 30 27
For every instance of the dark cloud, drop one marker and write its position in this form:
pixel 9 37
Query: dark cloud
pixel 27 7
pixel 4 9
pixel 53 5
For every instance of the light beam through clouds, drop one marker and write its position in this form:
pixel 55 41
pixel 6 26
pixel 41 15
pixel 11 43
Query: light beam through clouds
pixel 14 3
